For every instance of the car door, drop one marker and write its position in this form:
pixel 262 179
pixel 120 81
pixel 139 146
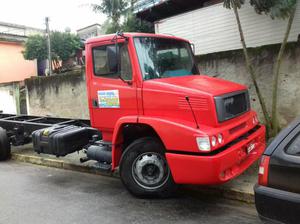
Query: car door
pixel 284 168
pixel 112 97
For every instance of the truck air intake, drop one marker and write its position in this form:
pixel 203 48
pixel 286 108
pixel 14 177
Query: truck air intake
pixel 231 105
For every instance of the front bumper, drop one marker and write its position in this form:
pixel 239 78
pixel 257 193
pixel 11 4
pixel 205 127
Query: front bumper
pixel 277 205
pixel 219 168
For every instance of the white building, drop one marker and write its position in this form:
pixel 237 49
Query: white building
pixel 213 28
pixel 89 31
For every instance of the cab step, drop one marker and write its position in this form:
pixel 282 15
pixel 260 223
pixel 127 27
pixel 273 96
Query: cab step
pixel 102 166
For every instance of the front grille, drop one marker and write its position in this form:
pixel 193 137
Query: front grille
pixel 232 105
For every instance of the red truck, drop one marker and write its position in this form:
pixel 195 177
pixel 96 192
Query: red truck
pixel 153 116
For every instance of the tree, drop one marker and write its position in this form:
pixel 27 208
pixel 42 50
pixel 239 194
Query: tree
pixel 114 9
pixel 281 9
pixel 275 9
pixel 133 24
pixel 63 46
pixel 35 48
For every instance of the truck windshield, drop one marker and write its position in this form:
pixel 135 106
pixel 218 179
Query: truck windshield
pixel 163 58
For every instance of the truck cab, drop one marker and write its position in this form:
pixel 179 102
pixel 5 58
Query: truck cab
pixel 153 117
pixel 167 123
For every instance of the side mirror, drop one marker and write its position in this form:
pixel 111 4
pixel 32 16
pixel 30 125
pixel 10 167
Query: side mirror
pixel 193 47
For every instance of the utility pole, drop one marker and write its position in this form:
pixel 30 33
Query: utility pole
pixel 49 45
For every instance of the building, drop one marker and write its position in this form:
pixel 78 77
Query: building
pixel 18 30
pixel 211 27
pixel 89 31
pixel 13 66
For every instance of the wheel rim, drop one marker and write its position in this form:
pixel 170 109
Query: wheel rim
pixel 150 170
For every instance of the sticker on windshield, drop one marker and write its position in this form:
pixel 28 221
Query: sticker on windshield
pixel 108 99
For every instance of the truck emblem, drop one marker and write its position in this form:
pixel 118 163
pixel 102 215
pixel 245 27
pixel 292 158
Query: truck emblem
pixel 228 101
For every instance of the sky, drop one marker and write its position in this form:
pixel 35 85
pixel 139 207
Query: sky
pixel 74 14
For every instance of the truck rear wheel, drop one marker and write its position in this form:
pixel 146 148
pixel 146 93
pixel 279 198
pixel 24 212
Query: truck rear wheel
pixel 4 145
pixel 144 169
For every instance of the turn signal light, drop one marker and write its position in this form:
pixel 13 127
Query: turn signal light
pixel 255 119
pixel 213 141
pixel 220 138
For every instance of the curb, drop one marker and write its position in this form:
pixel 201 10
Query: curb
pixel 60 164
pixel 228 193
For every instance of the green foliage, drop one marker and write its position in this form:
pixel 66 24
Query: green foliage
pixel 112 28
pixel 274 8
pixel 35 48
pixel 133 24
pixel 64 45
pixel 229 3
pixel 115 9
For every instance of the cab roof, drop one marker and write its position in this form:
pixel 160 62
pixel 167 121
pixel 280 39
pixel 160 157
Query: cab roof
pixel 131 35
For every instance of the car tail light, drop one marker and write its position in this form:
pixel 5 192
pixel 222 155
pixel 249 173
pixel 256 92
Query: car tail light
pixel 263 171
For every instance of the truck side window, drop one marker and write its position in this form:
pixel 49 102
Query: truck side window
pixel 106 63
pixel 126 72
pixel 101 62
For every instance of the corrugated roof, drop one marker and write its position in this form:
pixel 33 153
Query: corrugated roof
pixel 12 37
pixel 13 25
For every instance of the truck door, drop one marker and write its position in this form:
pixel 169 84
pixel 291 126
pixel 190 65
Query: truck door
pixel 111 97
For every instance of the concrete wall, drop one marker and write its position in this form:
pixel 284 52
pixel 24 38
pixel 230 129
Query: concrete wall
pixel 58 96
pixel 231 66
pixel 214 28
pixel 13 66
pixel 9 93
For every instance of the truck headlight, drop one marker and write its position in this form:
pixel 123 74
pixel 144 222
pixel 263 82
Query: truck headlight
pixel 203 143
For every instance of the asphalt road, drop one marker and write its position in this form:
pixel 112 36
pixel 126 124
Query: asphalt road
pixel 32 194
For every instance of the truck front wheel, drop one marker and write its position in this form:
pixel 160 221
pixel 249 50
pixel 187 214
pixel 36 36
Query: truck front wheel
pixel 144 170
pixel 4 145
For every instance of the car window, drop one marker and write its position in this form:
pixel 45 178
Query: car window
pixel 106 62
pixel 293 148
pixel 126 72
pixel 164 58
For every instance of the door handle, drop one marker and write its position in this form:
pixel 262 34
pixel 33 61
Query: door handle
pixel 95 103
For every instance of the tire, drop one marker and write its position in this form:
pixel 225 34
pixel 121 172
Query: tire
pixel 4 145
pixel 144 170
